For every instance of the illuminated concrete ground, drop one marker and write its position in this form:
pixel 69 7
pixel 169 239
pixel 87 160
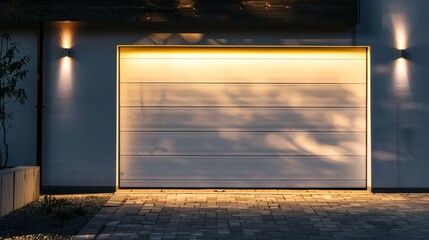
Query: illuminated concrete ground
pixel 261 215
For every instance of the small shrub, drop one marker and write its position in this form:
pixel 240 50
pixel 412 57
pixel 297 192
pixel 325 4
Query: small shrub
pixel 62 209
pixel 51 204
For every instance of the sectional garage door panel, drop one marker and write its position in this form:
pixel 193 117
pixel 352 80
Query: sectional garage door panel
pixel 218 117
pixel 242 52
pixel 334 171
pixel 246 183
pixel 242 143
pixel 231 70
pixel 243 95
pixel 138 119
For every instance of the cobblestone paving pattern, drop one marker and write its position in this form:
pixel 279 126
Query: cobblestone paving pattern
pixel 262 215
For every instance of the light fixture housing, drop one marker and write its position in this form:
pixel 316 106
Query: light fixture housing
pixel 401 53
pixel 66 52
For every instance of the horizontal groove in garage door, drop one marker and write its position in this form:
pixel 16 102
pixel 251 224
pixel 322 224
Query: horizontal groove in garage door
pixel 241 107
pixel 238 83
pixel 235 131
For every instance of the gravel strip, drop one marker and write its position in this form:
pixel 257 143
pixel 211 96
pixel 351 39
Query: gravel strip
pixel 32 221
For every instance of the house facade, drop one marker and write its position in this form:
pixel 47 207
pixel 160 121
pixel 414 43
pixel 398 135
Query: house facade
pixel 132 105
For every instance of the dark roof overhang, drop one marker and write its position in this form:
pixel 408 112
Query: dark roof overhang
pixel 277 12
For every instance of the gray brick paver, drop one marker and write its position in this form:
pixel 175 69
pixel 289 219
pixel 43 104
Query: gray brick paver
pixel 262 215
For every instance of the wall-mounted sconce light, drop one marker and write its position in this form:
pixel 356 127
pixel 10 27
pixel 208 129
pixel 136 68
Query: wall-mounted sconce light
pixel 66 52
pixel 401 53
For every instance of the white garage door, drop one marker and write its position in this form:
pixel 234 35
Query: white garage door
pixel 258 117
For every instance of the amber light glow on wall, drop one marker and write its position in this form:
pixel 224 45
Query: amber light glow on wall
pixel 401 41
pixel 65 73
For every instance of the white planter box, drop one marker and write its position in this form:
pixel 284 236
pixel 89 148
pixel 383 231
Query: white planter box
pixel 18 186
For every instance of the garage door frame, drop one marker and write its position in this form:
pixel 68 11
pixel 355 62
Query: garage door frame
pixel 368 93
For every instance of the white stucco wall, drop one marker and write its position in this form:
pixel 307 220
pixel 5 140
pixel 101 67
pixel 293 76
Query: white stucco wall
pixel 80 102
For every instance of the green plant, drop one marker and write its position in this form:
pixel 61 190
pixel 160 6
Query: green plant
pixel 12 70
pixel 51 204
pixel 61 209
